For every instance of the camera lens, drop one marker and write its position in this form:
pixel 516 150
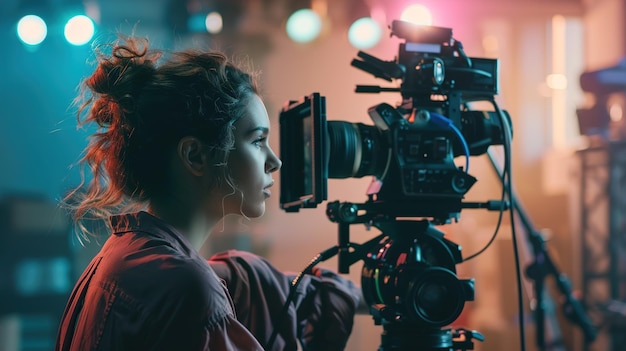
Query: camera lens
pixel 355 150
pixel 436 297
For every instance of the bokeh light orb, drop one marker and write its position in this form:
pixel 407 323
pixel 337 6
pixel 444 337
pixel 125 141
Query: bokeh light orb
pixel 417 14
pixel 214 22
pixel 32 30
pixel 364 33
pixel 304 26
pixel 79 30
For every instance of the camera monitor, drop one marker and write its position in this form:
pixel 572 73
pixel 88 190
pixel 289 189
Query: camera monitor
pixel 302 144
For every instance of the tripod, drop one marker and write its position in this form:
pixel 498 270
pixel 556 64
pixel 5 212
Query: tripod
pixel 408 279
pixel 403 337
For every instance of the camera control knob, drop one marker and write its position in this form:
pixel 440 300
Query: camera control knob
pixel 348 212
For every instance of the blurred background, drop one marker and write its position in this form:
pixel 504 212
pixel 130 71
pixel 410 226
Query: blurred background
pixel 568 155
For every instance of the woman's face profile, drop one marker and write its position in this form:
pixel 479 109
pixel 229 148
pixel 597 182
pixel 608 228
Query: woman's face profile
pixel 251 162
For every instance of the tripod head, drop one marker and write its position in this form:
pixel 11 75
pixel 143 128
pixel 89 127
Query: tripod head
pixel 408 279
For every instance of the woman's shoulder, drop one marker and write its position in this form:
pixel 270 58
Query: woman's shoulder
pixel 156 264
pixel 153 267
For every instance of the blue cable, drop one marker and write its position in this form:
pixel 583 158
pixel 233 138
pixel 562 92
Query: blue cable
pixel 447 123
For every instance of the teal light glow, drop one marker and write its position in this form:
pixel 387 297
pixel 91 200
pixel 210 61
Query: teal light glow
pixel 304 26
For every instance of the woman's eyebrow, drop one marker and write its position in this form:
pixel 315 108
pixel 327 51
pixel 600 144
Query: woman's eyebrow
pixel 258 129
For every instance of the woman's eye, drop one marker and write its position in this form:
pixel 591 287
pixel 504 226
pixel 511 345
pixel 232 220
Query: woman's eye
pixel 260 141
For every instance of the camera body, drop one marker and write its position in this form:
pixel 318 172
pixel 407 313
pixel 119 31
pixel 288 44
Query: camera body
pixel 410 149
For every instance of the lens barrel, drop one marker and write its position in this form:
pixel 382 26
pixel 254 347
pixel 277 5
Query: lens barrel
pixel 355 150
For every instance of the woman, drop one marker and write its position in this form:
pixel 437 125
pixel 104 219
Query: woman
pixel 180 145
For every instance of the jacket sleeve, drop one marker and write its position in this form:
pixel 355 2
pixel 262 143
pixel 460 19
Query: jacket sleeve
pixel 320 317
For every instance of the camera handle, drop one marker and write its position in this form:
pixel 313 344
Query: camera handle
pixel 542 267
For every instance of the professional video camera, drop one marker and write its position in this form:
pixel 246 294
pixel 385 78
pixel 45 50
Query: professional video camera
pixel 409 276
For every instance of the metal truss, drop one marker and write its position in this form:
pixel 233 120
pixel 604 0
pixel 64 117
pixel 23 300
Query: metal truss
pixel 603 242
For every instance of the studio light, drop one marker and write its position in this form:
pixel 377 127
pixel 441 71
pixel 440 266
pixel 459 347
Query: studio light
pixel 364 33
pixel 32 30
pixel 203 22
pixel 304 26
pixel 417 14
pixel 214 22
pixel 605 117
pixel 79 30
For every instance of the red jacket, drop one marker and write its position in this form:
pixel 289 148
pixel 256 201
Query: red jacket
pixel 149 289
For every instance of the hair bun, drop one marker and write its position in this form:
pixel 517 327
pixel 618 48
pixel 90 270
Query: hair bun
pixel 119 79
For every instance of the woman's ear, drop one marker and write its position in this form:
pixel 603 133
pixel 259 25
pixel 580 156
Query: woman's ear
pixel 193 156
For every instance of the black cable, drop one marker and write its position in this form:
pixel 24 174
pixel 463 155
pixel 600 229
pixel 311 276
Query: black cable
pixel 509 189
pixel 507 192
pixel 499 222
pixel 322 256
pixel 502 176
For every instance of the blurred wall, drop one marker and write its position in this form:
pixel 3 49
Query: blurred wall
pixel 39 142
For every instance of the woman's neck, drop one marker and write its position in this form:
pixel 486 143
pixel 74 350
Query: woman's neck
pixel 190 220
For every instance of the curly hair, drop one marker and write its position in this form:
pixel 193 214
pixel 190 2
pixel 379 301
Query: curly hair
pixel 142 109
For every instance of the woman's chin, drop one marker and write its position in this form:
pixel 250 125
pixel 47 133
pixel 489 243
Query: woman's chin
pixel 254 212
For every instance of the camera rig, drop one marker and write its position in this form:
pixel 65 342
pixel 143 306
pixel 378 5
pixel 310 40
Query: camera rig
pixel 408 277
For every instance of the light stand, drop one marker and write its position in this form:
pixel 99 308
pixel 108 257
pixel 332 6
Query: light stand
pixel 544 266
